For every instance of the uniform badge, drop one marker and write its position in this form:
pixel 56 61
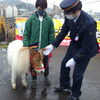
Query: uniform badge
pixel 77 37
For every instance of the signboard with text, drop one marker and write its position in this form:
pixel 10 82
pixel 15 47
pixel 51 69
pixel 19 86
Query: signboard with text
pixel 20 25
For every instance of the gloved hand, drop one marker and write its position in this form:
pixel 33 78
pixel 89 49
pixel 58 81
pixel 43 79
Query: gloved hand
pixel 70 63
pixel 49 49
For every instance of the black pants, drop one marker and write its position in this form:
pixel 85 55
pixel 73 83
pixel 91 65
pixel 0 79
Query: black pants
pixel 78 72
pixel 46 73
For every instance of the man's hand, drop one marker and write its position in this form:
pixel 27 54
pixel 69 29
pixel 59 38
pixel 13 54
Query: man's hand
pixel 70 63
pixel 49 48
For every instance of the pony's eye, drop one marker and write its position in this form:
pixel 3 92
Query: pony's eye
pixel 37 60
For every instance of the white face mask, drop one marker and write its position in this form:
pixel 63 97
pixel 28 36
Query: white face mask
pixel 69 16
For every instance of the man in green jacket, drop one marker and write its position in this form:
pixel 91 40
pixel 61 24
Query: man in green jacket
pixel 39 28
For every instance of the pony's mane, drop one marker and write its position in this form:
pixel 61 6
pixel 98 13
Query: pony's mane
pixel 24 57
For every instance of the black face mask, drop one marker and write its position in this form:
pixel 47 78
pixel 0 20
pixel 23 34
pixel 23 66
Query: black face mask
pixel 41 12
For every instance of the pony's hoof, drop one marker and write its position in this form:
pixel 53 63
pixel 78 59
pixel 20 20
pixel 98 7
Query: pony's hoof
pixel 26 74
pixel 25 85
pixel 14 87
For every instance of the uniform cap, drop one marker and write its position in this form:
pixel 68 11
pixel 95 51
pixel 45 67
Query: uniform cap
pixel 68 4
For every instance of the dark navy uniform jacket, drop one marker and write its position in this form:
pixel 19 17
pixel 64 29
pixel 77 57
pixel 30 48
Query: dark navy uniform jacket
pixel 85 29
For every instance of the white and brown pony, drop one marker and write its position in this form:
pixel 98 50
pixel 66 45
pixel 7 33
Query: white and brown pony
pixel 19 61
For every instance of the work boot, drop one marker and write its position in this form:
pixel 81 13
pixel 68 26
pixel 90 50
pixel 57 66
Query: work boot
pixel 34 84
pixel 47 81
pixel 73 98
pixel 62 88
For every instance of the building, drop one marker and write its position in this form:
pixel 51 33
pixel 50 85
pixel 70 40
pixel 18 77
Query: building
pixel 1 12
pixel 7 10
pixel 14 11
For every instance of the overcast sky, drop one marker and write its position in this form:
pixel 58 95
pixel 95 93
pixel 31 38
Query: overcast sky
pixel 87 4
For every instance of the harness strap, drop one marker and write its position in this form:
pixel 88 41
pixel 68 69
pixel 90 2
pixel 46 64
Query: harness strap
pixel 33 73
pixel 37 68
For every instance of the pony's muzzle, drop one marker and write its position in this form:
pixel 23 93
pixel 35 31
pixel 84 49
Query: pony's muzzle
pixel 40 71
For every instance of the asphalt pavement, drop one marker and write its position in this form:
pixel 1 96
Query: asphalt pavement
pixel 90 86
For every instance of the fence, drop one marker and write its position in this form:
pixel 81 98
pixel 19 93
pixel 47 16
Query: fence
pixel 9 29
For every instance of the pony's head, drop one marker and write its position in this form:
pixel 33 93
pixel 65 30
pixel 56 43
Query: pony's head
pixel 36 58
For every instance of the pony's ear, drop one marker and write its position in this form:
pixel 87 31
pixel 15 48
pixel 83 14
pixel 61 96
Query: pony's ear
pixel 33 51
pixel 43 49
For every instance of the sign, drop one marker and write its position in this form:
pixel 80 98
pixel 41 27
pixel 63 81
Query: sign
pixel 98 33
pixel 20 25
pixel 58 26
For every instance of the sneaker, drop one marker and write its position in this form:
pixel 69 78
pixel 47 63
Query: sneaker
pixel 34 84
pixel 47 81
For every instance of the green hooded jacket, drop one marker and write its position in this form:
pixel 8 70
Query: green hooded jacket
pixel 37 31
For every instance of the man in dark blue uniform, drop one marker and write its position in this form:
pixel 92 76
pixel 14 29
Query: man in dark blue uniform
pixel 82 48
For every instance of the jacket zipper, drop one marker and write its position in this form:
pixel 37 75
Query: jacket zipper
pixel 40 32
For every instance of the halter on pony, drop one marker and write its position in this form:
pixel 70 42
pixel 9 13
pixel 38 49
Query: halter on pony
pixel 50 55
pixel 35 46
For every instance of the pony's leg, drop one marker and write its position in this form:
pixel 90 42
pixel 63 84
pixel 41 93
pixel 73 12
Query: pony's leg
pixel 13 80
pixel 24 80
pixel 9 68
